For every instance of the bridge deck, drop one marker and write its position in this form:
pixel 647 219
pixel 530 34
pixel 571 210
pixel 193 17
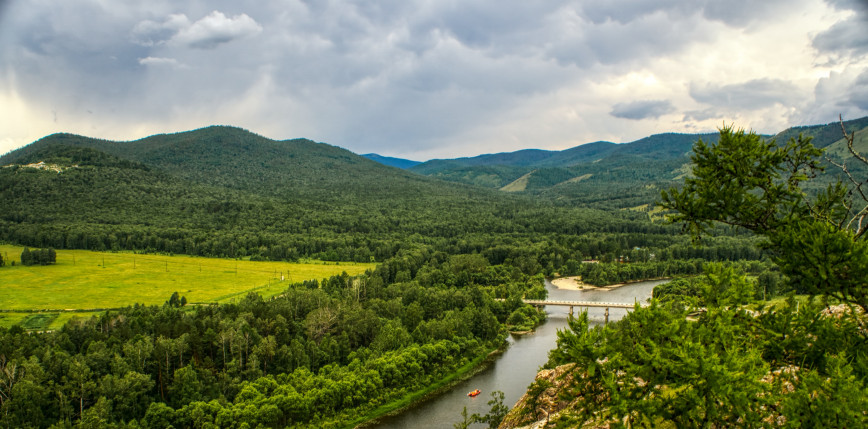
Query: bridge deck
pixel 580 303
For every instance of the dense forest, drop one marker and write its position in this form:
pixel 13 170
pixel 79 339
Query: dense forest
pixel 319 355
pixel 97 201
pixel 454 261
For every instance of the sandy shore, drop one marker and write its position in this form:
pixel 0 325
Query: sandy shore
pixel 573 283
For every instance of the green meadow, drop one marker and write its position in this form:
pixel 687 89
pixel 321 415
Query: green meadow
pixel 42 321
pixel 96 280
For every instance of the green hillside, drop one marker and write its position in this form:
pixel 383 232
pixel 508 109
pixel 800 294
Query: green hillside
pixel 488 176
pixel 823 135
pixel 226 192
pixel 602 174
pixel 238 159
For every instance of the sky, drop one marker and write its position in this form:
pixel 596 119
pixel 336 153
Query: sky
pixel 423 79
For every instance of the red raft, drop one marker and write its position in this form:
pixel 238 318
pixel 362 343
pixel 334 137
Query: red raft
pixel 474 393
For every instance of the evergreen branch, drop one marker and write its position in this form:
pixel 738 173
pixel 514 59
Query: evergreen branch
pixel 850 138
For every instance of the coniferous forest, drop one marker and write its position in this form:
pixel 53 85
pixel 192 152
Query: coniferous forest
pixel 763 325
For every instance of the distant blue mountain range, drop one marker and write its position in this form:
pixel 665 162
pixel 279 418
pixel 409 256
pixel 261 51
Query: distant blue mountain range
pixel 392 162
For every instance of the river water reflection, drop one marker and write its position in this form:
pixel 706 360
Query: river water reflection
pixel 516 368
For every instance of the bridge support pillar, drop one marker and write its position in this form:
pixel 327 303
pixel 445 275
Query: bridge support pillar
pixel 571 310
pixel 607 315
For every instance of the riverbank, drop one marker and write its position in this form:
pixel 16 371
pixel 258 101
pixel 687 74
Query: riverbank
pixel 465 372
pixel 514 369
pixel 575 283
pixel 571 283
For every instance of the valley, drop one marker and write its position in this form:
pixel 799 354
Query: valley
pixel 223 279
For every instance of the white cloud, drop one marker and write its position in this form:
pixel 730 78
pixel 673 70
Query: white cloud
pixel 158 61
pixel 840 93
pixel 206 33
pixel 216 29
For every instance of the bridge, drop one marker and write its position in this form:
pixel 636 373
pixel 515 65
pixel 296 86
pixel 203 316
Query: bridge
pixel 572 304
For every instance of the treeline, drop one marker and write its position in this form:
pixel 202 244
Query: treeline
pixel 761 281
pixel 38 256
pixel 544 252
pixel 771 283
pixel 319 355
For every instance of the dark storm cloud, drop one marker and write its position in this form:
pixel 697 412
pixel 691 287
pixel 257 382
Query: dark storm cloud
pixel 859 94
pixel 738 13
pixel 584 44
pixel 68 57
pixel 643 109
pixel 848 37
pixel 370 75
pixel 743 13
pixel 856 5
pixel 754 94
pixel 703 115
pixel 150 33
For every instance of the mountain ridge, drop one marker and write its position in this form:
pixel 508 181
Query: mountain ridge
pixel 621 174
pixel 624 174
pixel 392 161
pixel 238 159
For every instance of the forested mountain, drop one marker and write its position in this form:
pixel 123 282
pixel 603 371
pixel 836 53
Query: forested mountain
pixel 601 174
pixel 392 162
pixel 534 170
pixel 223 191
pixel 658 146
pixel 823 135
pixel 238 159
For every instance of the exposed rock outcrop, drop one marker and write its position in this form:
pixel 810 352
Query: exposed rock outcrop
pixel 534 410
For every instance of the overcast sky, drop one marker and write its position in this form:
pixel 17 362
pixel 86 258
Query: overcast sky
pixel 425 79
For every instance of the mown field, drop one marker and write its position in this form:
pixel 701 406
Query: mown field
pixel 97 280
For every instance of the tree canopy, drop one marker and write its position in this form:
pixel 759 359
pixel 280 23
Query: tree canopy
pixel 816 236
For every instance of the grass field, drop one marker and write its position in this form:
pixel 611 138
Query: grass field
pixel 93 280
pixel 52 322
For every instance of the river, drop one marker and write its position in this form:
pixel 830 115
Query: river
pixel 516 368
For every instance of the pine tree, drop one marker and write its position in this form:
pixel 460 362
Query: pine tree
pixel 41 256
pixel 26 257
pixel 748 182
